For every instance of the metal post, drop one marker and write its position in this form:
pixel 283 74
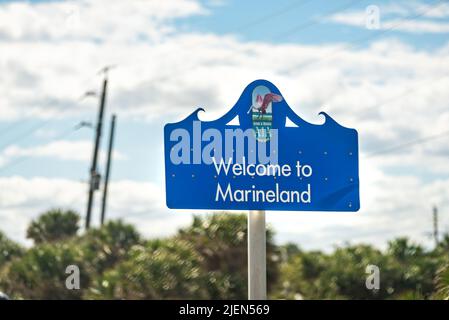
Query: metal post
pixel 108 168
pixel 94 176
pixel 257 253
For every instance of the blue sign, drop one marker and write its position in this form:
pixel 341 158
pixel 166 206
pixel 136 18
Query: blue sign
pixel 261 156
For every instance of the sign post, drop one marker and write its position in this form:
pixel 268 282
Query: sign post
pixel 261 156
pixel 257 256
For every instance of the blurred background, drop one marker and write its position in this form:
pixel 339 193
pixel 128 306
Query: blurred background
pixel 380 67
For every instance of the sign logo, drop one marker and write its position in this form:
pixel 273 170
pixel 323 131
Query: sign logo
pixel 262 112
pixel 260 163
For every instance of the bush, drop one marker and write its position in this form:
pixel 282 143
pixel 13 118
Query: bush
pixel 104 247
pixel 40 273
pixel 8 250
pixel 160 269
pixel 221 240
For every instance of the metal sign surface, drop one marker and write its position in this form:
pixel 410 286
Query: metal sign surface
pixel 250 159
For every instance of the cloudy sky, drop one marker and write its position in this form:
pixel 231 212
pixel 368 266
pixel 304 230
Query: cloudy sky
pixel 389 81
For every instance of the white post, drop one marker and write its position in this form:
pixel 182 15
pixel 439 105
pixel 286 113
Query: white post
pixel 257 253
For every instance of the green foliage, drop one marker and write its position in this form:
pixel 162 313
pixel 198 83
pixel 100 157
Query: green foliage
pixel 53 225
pixel 106 246
pixel 443 283
pixel 167 269
pixel 207 260
pixel 40 273
pixel 222 242
pixel 8 249
pixel 407 271
pixel 415 267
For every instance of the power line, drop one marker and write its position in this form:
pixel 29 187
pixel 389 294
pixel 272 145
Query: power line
pixel 266 17
pixel 245 26
pixel 314 21
pixel 261 19
pixel 408 144
pixel 258 21
pixel 401 21
pixel 8 128
pixel 404 93
pixel 392 98
pixel 26 133
pixel 41 124
pixel 357 42
pixel 24 158
pixel 354 43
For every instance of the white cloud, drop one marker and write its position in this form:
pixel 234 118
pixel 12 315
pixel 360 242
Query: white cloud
pixel 391 206
pixel 62 53
pixel 88 20
pixel 416 26
pixel 389 91
pixel 169 78
pixel 410 16
pixel 359 18
pixel 22 200
pixel 440 9
pixel 56 150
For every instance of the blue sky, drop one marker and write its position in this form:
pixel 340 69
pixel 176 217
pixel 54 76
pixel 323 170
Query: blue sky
pixel 388 83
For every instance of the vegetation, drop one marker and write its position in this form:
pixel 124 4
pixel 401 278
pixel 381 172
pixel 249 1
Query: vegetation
pixel 207 260
pixel 8 249
pixel 54 225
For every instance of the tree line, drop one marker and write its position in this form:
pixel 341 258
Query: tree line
pixel 207 260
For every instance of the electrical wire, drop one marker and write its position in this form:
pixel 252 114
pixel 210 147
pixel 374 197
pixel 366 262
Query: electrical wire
pixel 25 134
pixel 408 144
pixel 275 14
pixel 24 158
pixel 357 42
pixel 194 66
pixel 314 21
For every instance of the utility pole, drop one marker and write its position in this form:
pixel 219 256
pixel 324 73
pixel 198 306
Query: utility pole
pixel 435 225
pixel 94 182
pixel 108 168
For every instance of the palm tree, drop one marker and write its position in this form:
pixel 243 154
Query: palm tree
pixel 54 225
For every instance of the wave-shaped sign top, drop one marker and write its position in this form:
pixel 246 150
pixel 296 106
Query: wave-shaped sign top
pixel 250 159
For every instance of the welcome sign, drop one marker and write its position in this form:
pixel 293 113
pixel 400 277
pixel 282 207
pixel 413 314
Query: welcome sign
pixel 252 158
